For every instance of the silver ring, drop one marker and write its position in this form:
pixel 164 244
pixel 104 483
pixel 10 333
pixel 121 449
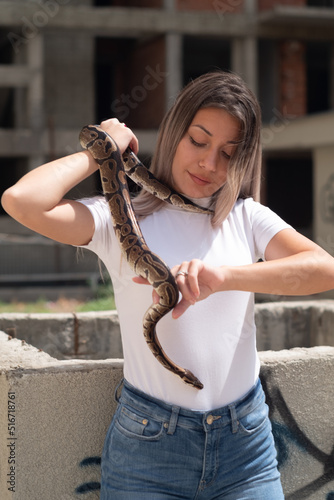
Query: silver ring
pixel 182 273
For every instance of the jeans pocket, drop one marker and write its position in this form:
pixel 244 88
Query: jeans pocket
pixel 254 421
pixel 137 425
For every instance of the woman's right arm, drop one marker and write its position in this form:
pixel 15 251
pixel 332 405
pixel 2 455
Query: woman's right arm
pixel 37 199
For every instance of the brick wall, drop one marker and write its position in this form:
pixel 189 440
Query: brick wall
pixel 142 84
pixel 269 4
pixel 138 3
pixel 229 6
pixel 292 78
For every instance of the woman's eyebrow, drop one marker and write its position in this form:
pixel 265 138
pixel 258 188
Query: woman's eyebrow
pixel 203 128
pixel 209 133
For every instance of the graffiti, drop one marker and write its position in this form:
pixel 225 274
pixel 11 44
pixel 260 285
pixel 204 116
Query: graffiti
pixel 286 432
pixel 91 486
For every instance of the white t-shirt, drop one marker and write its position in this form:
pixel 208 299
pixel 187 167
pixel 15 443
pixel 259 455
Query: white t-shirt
pixel 215 338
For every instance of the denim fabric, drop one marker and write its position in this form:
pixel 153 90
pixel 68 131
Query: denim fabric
pixel 157 451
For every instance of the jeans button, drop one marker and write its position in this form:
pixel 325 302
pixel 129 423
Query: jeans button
pixel 209 419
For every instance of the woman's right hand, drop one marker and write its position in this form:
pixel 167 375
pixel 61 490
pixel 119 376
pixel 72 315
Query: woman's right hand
pixel 122 135
pixel 38 201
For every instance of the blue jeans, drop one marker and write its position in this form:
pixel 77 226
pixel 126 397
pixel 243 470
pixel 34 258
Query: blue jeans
pixel 157 451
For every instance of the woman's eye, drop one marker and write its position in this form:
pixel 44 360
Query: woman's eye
pixel 195 143
pixel 226 155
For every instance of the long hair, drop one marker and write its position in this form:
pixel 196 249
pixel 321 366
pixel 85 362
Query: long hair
pixel 219 90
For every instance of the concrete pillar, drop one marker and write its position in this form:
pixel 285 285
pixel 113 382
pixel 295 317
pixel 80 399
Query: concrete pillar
pixel 245 53
pixel 250 6
pixel 20 97
pixel 35 93
pixel 324 197
pixel 331 77
pixel 169 4
pixel 245 60
pixel 35 98
pixel 174 81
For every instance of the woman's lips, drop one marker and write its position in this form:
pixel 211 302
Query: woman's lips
pixel 199 180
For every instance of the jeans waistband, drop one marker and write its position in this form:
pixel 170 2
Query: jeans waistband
pixel 176 415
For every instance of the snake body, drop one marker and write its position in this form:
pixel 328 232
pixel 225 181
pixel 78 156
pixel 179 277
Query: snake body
pixel 114 168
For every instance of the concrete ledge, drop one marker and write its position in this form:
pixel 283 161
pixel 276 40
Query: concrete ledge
pixel 54 416
pixel 284 325
pixel 90 335
pixel 96 335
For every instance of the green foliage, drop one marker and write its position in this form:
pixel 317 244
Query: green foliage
pixel 103 301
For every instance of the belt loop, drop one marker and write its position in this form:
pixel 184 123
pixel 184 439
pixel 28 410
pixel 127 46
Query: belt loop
pixel 173 419
pixel 234 418
pixel 116 396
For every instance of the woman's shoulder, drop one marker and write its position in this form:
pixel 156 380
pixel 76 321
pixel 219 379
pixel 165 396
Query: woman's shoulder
pixel 255 213
pixel 250 206
pixel 246 206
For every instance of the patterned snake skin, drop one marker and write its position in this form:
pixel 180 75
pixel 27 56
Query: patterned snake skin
pixel 113 170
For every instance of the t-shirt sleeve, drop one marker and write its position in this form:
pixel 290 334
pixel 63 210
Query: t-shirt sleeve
pixel 102 237
pixel 265 225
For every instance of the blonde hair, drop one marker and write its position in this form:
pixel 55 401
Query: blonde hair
pixel 219 90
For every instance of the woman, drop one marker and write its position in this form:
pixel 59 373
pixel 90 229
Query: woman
pixel 167 439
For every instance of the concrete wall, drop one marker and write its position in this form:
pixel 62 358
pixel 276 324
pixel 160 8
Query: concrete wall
pixel 54 415
pixel 91 335
pixel 323 197
pixel 96 335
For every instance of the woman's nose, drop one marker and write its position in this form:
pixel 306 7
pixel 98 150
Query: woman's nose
pixel 209 160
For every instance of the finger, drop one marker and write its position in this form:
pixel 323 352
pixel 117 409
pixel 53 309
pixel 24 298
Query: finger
pixel 184 286
pixel 122 135
pixel 187 279
pixel 134 145
pixel 180 308
pixel 194 268
pixel 155 297
pixel 180 268
pixel 140 280
pixel 108 121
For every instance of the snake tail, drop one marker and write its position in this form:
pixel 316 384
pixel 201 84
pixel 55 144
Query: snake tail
pixel 152 316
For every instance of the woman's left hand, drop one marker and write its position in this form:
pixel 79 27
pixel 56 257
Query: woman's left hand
pixel 196 281
pixel 293 266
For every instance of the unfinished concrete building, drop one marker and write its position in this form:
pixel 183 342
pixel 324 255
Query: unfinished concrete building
pixel 66 63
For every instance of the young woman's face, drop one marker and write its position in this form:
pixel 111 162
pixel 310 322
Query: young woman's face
pixel 202 156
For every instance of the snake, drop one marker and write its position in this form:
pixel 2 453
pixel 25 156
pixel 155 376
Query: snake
pixel 114 169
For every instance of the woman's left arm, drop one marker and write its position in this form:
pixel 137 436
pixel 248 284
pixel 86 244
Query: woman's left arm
pixel 294 265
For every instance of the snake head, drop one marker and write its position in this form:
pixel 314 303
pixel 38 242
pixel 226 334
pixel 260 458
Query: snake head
pixel 88 135
pixel 93 138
